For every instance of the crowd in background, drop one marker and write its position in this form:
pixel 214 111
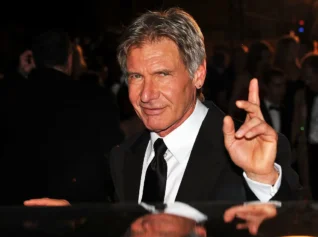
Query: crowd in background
pixel 44 142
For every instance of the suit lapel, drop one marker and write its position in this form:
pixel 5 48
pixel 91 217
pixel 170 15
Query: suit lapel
pixel 205 162
pixel 133 167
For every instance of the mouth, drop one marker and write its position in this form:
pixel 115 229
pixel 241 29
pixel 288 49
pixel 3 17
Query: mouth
pixel 152 111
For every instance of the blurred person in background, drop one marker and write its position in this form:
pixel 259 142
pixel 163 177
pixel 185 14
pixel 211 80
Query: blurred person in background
pixel 305 124
pixel 56 130
pixel 286 59
pixel 259 58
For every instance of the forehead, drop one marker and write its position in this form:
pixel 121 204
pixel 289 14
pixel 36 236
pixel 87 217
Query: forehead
pixel 162 51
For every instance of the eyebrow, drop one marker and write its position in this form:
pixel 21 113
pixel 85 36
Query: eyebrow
pixel 162 70
pixel 128 72
pixel 153 73
pixel 132 73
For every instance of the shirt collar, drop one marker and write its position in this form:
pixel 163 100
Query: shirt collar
pixel 181 140
pixel 267 103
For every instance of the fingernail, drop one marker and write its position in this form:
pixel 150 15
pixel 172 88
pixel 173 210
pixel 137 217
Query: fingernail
pixel 238 134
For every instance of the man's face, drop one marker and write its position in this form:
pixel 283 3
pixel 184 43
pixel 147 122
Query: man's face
pixel 310 78
pixel 292 52
pixel 159 225
pixel 266 58
pixel 277 89
pixel 160 88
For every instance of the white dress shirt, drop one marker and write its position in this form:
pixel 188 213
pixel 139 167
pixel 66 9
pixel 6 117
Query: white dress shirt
pixel 179 146
pixel 313 133
pixel 275 115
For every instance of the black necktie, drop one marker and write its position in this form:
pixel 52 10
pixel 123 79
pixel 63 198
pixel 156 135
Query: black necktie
pixel 156 175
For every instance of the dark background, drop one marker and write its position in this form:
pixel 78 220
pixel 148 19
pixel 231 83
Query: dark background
pixel 229 21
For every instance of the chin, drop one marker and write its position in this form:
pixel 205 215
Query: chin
pixel 155 128
pixel 153 125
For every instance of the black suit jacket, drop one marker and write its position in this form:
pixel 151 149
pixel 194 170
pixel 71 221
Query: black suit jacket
pixel 210 174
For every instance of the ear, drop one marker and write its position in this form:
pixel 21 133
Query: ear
pixel 199 75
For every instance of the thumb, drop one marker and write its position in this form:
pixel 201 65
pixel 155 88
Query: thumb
pixel 228 131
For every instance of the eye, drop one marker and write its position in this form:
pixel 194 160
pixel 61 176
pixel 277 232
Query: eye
pixel 164 74
pixel 134 76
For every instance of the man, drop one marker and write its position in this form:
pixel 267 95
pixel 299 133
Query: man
pixel 163 56
pixel 56 129
pixel 272 105
pixel 305 129
pixel 185 155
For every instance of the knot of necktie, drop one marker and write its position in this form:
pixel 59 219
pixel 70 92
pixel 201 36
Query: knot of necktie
pixel 160 149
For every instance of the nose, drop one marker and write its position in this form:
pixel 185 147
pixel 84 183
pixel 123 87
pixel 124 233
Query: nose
pixel 150 90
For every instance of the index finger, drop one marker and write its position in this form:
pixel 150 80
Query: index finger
pixel 253 92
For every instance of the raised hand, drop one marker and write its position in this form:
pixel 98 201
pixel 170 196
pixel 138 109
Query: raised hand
pixel 254 146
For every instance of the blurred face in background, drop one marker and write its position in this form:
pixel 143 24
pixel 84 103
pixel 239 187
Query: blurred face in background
pixel 266 59
pixel 310 77
pixel 292 52
pixel 240 58
pixel 276 89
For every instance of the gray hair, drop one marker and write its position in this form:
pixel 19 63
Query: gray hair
pixel 174 24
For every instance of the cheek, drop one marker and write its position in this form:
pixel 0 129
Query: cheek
pixel 178 93
pixel 133 95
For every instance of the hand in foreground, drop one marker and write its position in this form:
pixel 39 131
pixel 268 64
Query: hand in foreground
pixel 46 202
pixel 253 147
pixel 253 214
